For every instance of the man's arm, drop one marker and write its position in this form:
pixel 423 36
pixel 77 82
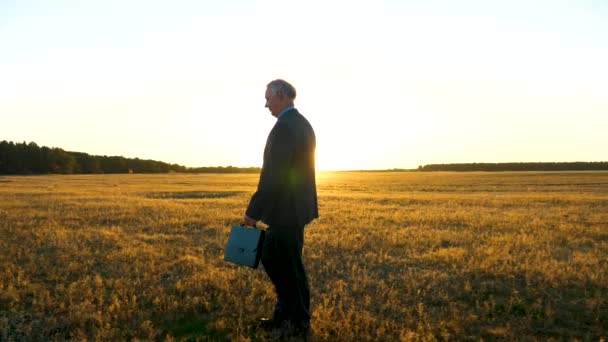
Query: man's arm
pixel 273 175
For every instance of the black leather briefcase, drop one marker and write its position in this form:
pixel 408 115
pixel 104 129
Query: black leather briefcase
pixel 244 246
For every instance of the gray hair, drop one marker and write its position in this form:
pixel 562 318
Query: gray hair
pixel 283 87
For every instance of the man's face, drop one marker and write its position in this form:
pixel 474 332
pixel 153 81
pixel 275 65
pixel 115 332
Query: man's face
pixel 274 103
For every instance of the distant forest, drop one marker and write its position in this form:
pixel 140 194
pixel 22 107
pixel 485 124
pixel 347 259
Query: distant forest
pixel 29 159
pixel 571 166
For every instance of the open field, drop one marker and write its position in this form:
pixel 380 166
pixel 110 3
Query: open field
pixel 394 256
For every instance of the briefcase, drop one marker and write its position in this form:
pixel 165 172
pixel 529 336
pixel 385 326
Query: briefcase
pixel 244 246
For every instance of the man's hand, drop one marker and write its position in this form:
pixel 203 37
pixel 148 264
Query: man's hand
pixel 248 221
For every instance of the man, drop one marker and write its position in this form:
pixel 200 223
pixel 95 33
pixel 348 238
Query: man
pixel 286 200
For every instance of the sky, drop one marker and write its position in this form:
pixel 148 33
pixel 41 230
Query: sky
pixel 385 84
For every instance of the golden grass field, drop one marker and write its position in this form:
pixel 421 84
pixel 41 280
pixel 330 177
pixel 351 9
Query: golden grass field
pixel 394 256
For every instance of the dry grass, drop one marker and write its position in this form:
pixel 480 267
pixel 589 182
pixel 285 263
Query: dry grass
pixel 422 256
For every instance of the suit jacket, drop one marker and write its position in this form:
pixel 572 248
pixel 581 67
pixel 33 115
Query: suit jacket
pixel 287 193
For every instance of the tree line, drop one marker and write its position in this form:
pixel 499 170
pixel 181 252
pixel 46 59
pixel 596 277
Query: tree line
pixel 29 159
pixel 557 166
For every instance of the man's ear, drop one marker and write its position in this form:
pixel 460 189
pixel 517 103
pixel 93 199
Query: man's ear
pixel 280 95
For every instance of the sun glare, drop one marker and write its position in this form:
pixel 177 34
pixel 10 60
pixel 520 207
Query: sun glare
pixel 336 154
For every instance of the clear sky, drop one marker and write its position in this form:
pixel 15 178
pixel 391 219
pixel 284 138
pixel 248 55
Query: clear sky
pixel 386 84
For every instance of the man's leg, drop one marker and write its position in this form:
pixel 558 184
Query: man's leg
pixel 273 265
pixel 301 290
pixel 292 282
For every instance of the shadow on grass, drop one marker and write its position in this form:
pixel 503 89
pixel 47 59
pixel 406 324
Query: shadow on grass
pixel 475 304
pixel 193 328
pixel 522 304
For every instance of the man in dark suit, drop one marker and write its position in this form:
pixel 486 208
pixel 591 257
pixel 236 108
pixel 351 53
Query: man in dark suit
pixel 286 200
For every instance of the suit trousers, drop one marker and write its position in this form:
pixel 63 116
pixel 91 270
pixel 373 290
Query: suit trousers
pixel 282 260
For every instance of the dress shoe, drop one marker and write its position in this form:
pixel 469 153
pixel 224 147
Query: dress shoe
pixel 289 330
pixel 268 324
pixel 298 329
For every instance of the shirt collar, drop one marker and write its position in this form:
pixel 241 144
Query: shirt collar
pixel 285 110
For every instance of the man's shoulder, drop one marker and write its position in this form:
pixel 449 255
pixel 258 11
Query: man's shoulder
pixel 294 116
pixel 294 123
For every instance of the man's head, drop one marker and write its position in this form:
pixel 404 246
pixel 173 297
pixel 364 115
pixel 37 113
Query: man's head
pixel 279 95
